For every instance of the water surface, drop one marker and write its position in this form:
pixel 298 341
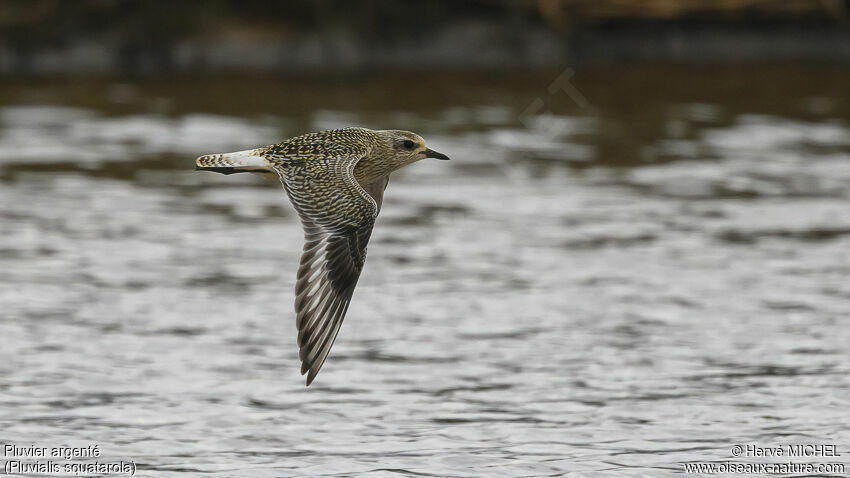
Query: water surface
pixel 613 286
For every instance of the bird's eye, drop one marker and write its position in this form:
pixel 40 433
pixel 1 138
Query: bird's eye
pixel 408 144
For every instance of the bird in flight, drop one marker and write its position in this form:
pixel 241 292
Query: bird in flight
pixel 335 179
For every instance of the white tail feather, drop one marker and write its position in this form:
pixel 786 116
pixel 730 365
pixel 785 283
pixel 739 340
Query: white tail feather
pixel 248 160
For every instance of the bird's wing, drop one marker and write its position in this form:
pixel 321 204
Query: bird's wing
pixel 337 215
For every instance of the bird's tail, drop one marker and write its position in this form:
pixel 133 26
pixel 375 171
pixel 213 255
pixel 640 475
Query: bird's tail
pixel 248 161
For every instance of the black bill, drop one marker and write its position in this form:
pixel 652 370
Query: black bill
pixel 430 153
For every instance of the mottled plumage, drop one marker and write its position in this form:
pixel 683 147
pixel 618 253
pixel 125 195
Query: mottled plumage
pixel 335 179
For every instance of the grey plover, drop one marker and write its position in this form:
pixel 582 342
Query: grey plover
pixel 335 179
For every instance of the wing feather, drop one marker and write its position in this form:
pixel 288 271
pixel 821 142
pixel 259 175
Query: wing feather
pixel 337 215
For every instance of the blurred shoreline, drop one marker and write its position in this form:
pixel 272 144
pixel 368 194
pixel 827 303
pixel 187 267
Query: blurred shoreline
pixel 45 37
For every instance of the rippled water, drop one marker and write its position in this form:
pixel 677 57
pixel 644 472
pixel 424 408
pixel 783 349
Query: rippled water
pixel 617 286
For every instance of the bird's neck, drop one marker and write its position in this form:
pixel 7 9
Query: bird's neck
pixel 368 170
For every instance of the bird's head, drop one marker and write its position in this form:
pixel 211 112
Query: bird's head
pixel 406 147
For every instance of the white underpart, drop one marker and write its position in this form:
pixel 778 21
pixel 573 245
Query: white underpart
pixel 247 159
